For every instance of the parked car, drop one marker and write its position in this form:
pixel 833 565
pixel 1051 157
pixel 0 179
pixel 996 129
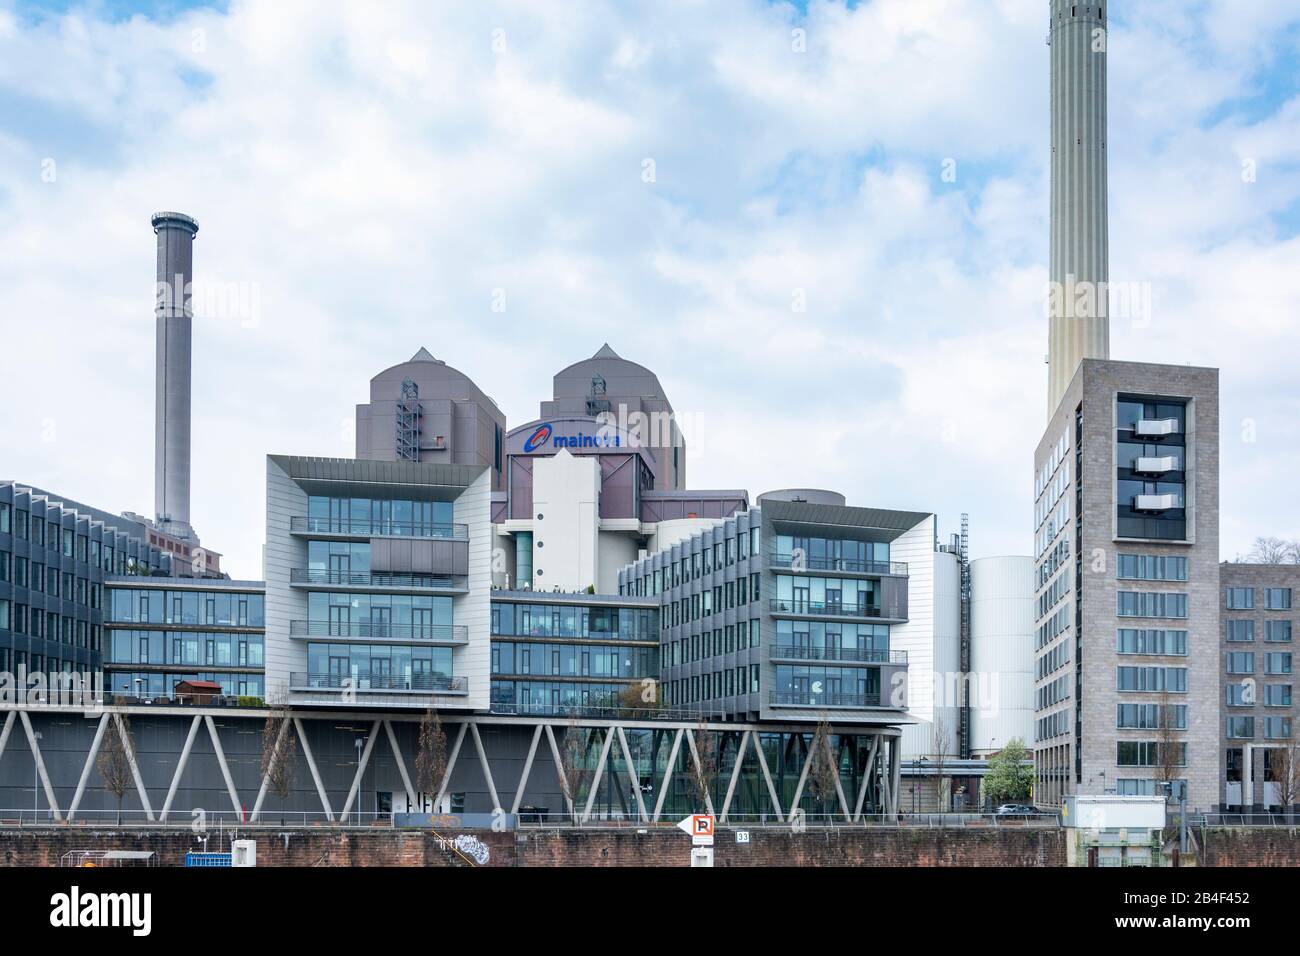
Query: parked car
pixel 1016 810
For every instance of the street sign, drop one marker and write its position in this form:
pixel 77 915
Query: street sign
pixel 700 827
pixel 742 836
pixel 702 856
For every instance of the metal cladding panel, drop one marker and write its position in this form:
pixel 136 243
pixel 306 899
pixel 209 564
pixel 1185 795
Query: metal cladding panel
pixel 419 555
pixel 1002 651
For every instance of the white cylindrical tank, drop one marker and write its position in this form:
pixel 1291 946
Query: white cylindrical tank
pixel 1001 693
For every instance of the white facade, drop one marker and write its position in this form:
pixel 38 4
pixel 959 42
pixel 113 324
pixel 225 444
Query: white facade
pixel 931 637
pixel 566 527
pixel 1002 652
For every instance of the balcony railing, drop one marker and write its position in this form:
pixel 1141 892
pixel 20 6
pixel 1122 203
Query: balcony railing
pixel 364 528
pixel 830 608
pixel 367 579
pixel 429 683
pixel 433 633
pixel 850 566
pixel 800 652
pixel 808 699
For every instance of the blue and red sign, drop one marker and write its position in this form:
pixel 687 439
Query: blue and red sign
pixel 538 438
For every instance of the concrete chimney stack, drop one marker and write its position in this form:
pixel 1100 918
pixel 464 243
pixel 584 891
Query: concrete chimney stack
pixel 175 232
pixel 1079 321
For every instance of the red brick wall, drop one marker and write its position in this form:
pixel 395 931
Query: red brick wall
pixel 1239 846
pixel 311 847
pixel 781 847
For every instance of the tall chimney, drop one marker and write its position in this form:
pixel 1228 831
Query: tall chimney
pixel 175 232
pixel 1079 322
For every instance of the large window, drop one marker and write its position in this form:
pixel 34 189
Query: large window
pixel 425 519
pixel 1150 453
pixel 187 607
pixel 1136 641
pixel 1152 604
pixel 520 658
pixel 1150 567
pixel 831 554
pixel 1147 753
pixel 1277 599
pixel 560 620
pixel 1241 599
pixel 1172 679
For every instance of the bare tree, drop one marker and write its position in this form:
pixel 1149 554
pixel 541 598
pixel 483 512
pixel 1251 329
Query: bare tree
pixel 279 747
pixel 113 761
pixel 431 756
pixel 1284 767
pixel 939 754
pixel 824 771
pixel 1168 763
pixel 573 765
pixel 705 773
pixel 1269 550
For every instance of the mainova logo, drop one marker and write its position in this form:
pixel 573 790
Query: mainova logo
pixel 75 909
pixel 538 438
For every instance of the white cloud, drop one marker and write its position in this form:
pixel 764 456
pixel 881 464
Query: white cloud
pixel 376 172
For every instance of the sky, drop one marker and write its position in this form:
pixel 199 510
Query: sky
pixel 823 226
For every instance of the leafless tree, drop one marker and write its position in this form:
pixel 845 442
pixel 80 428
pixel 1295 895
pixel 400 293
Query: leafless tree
pixel 1168 764
pixel 1268 550
pixel 573 765
pixel 939 755
pixel 113 761
pixel 279 747
pixel 705 773
pixel 1284 766
pixel 824 771
pixel 431 756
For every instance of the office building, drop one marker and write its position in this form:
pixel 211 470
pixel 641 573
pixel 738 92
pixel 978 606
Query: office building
pixel 1260 765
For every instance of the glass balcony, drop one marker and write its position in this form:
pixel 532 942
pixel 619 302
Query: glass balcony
pixel 363 528
pixel 432 633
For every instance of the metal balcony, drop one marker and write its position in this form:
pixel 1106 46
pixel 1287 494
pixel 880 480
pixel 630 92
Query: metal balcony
pixel 368 631
pixel 1156 466
pixel 790 562
pixel 809 699
pixel 852 655
pixel 380 683
pixel 364 528
pixel 1156 427
pixel 1165 502
pixel 825 609
pixel 376 581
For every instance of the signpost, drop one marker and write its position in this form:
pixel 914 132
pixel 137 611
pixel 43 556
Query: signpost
pixel 700 827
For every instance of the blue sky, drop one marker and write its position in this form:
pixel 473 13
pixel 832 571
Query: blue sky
pixel 373 178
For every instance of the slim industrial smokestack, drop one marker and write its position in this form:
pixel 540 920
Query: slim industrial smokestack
pixel 176 233
pixel 1079 323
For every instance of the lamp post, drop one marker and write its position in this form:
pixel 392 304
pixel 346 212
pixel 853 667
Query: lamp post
pixel 361 783
pixel 36 794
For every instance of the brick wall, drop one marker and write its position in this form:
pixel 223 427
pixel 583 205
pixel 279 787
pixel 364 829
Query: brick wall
pixel 869 847
pixel 1240 846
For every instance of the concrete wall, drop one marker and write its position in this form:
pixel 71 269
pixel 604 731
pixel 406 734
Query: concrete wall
pixel 1002 652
